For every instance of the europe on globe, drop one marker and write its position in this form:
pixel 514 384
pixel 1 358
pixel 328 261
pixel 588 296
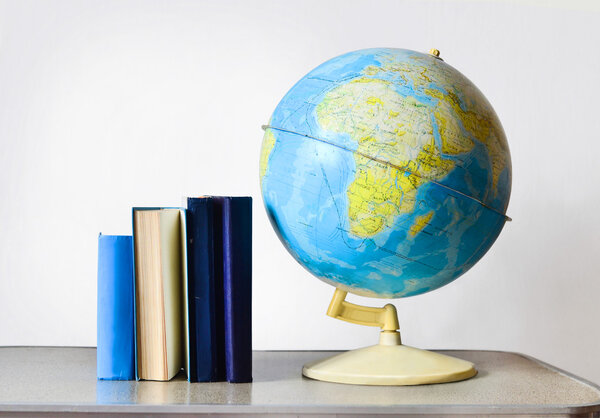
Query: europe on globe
pixel 386 172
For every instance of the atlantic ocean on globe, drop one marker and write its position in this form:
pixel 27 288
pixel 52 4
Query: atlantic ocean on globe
pixel 386 172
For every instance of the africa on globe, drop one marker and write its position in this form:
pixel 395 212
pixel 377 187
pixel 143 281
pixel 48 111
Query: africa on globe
pixel 386 172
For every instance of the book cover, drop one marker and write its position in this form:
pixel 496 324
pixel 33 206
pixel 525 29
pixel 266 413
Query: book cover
pixel 115 320
pixel 205 289
pixel 160 286
pixel 237 282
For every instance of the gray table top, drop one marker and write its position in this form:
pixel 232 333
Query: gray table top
pixel 61 379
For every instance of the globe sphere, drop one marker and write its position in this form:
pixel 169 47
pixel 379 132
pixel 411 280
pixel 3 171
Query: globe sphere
pixel 385 172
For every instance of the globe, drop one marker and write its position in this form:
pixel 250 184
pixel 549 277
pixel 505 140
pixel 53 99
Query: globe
pixel 386 172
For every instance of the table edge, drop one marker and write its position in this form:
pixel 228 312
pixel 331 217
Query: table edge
pixel 449 409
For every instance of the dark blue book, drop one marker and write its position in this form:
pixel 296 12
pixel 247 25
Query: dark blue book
pixel 115 338
pixel 205 289
pixel 237 282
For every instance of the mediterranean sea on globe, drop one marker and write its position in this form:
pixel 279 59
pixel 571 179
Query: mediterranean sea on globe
pixel 386 172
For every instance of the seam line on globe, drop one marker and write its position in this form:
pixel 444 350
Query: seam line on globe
pixel 506 217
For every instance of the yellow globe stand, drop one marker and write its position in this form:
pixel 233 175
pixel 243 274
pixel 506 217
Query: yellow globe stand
pixel 389 362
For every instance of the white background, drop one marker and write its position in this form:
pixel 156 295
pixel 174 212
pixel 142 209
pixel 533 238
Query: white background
pixel 106 105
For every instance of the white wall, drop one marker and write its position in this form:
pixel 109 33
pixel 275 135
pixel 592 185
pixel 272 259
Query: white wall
pixel 109 104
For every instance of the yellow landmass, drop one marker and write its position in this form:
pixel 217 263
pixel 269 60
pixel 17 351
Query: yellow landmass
pixel 420 223
pixel 267 146
pixel 473 111
pixel 391 164
pixel 453 141
pixel 378 193
pixel 480 122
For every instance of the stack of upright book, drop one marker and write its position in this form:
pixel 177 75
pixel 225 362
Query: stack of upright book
pixel 178 294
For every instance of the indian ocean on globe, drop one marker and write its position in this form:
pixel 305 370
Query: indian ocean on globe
pixel 386 172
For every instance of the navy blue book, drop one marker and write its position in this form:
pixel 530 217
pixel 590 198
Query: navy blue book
pixel 237 282
pixel 205 289
pixel 115 339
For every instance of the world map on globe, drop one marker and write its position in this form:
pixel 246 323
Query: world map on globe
pixel 386 172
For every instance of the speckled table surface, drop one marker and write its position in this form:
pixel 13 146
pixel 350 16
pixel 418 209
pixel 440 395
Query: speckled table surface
pixel 56 380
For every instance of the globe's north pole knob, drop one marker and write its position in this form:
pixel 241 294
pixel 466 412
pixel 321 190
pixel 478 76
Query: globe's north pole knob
pixel 435 52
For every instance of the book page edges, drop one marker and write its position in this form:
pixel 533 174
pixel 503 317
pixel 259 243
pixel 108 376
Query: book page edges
pixel 172 272
pixel 149 297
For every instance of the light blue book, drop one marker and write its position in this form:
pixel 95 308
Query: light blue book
pixel 116 345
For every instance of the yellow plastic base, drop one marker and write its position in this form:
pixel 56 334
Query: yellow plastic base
pixel 390 363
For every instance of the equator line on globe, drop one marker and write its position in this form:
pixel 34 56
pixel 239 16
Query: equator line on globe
pixel 405 170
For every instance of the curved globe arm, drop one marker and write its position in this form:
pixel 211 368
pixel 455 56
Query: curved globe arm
pixel 386 318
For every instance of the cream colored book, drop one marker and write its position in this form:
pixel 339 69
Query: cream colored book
pixel 160 292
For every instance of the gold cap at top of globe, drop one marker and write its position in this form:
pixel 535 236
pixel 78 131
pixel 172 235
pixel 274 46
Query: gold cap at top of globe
pixel 435 53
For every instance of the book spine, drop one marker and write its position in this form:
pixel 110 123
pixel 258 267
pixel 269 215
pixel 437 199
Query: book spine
pixel 205 311
pixel 115 320
pixel 237 282
pixel 219 307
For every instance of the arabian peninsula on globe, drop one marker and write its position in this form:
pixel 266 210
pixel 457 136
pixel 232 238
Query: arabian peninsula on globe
pixel 386 172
